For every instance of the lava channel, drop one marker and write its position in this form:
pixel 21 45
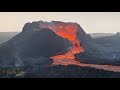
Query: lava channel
pixel 69 31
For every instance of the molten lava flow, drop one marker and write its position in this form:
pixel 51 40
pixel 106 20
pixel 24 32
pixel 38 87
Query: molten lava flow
pixel 69 32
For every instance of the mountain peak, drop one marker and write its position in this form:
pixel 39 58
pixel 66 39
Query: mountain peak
pixel 37 25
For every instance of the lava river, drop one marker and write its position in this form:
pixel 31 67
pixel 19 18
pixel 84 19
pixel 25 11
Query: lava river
pixel 69 31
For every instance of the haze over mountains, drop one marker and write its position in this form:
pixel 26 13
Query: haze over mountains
pixel 93 35
pixel 111 42
pixel 5 36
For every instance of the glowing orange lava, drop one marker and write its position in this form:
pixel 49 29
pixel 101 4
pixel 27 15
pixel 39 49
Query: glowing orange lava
pixel 67 31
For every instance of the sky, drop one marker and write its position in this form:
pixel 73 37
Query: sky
pixel 91 22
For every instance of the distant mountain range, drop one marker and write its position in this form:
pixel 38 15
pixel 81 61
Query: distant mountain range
pixel 5 36
pixel 93 35
pixel 111 42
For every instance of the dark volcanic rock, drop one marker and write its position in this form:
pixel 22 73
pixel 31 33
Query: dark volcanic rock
pixel 70 71
pixel 59 71
pixel 43 42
